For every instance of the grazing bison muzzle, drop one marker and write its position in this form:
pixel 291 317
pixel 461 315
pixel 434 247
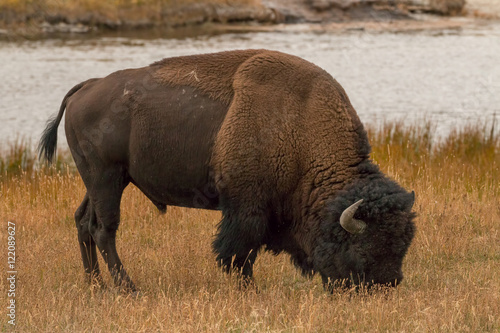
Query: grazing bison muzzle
pixel 268 138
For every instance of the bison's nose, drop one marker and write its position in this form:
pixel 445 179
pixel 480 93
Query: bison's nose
pixel 397 280
pixel 388 280
pixel 384 283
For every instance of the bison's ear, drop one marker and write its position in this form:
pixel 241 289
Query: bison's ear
pixel 408 200
pixel 411 200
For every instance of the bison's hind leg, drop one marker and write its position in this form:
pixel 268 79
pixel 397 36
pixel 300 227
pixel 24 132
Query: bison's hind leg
pixel 239 239
pixel 105 196
pixel 84 217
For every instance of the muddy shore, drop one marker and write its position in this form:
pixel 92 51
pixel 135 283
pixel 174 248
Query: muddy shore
pixel 44 21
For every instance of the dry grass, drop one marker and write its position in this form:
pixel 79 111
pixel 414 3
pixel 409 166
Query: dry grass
pixel 452 270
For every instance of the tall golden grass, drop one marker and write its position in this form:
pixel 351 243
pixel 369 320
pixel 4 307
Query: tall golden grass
pixel 452 270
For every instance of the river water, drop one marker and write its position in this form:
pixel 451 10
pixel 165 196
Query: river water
pixel 448 77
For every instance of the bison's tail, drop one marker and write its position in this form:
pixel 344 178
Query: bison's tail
pixel 48 142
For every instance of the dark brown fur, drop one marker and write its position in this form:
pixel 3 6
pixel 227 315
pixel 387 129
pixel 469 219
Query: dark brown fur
pixel 266 137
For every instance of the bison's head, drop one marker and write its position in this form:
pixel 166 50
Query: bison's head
pixel 365 234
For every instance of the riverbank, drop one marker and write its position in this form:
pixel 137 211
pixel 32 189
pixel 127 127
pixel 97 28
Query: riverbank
pixel 44 18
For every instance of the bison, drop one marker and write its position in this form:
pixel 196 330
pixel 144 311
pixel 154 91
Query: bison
pixel 268 138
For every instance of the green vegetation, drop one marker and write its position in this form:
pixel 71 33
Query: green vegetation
pixel 452 280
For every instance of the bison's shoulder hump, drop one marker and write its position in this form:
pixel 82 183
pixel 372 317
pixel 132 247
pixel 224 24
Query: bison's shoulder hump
pixel 218 74
pixel 212 73
pixel 274 64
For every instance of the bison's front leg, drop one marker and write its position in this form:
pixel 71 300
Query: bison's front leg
pixel 239 238
pixel 83 217
pixel 241 264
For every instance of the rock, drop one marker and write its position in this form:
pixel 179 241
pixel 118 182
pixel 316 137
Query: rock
pixel 198 13
pixel 322 11
pixel 343 4
pixel 447 7
pixel 239 13
pixel 441 7
pixel 349 10
pixel 62 27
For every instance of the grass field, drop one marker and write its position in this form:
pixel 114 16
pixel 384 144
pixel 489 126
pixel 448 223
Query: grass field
pixel 452 270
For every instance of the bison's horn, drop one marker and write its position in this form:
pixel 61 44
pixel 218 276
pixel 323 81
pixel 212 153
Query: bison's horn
pixel 349 223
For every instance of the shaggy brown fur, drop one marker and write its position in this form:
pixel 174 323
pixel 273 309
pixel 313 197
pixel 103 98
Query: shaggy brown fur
pixel 284 108
pixel 266 137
